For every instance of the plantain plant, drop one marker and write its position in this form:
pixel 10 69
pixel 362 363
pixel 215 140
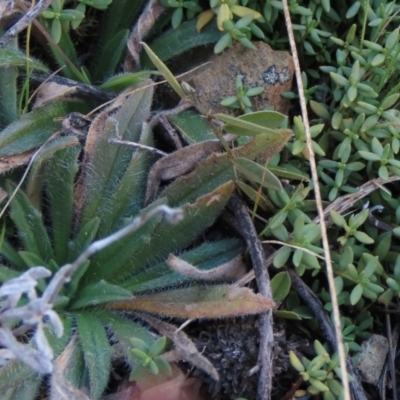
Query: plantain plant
pixel 80 190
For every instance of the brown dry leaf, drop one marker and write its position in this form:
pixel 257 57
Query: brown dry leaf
pixel 233 269
pixel 178 163
pixel 16 160
pixel 199 302
pixel 184 347
pixel 159 387
pixel 142 27
pixel 50 92
pixel 60 388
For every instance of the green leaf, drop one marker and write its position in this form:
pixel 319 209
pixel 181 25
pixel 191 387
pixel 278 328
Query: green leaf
pixel 257 173
pixel 8 84
pixel 281 256
pixel 390 101
pixel 218 169
pixel 230 101
pixel 158 347
pixel 356 294
pixel 30 225
pixel 207 256
pixel 128 196
pixel 99 293
pixel 337 219
pixel 296 363
pixel 254 195
pixel 123 81
pixel 163 365
pixel 320 110
pixel 392 39
pixel 357 220
pixel 110 56
pixel 35 179
pixel 7 273
pixel 60 175
pixel 321 387
pixel 339 79
pixel 13 57
pixel 266 119
pixel 192 126
pixel 224 42
pixel 297 257
pixel 104 165
pixel 31 259
pixel 363 237
pixel 289 172
pixel 139 354
pixel 243 127
pixel 187 37
pixel 199 302
pixel 287 315
pixel 84 238
pixel 56 30
pixel 369 156
pixel 153 367
pixel 10 253
pixel 96 350
pixel 310 260
pixel 168 75
pixel 33 129
pixel 109 263
pixel 280 285
pixel 139 344
pixel 123 330
pixel 137 372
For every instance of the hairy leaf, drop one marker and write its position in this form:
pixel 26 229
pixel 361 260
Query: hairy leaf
pixel 105 164
pixel 30 225
pixel 99 293
pixel 199 302
pixel 218 168
pixel 206 256
pixel 96 350
pixel 192 126
pixel 33 129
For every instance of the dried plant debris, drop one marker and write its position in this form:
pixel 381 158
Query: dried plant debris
pixel 231 270
pixel 179 163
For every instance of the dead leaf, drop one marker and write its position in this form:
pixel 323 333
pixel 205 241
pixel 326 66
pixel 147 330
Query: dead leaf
pixel 233 269
pixel 184 347
pixel 199 302
pixel 142 27
pixel 50 92
pixel 178 163
pixel 7 163
pixel 159 387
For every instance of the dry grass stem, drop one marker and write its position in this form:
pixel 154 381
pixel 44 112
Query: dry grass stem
pixel 328 261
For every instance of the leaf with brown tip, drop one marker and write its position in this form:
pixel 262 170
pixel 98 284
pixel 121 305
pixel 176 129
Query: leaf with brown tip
pixel 199 302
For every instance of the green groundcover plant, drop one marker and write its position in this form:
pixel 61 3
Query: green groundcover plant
pixel 349 53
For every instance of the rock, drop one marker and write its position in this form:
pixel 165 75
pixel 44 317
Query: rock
pixel 260 67
pixel 372 357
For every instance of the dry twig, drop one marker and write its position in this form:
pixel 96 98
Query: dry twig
pixel 259 261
